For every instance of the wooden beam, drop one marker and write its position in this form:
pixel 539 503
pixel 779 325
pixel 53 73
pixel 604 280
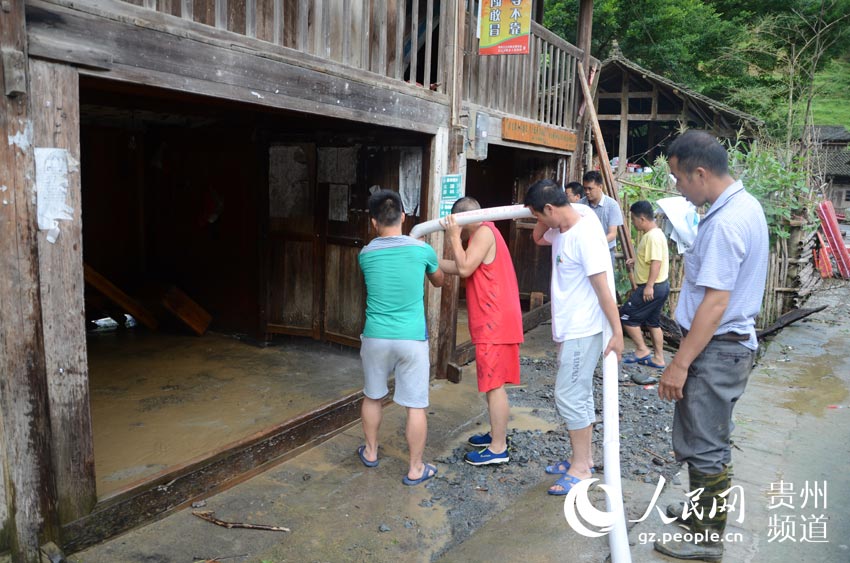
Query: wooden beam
pixel 26 485
pixel 617 95
pixel 604 163
pixel 623 152
pixel 117 296
pixel 148 56
pixel 640 117
pixel 56 124
pixel 197 479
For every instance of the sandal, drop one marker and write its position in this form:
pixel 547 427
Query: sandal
pixel 566 483
pixel 427 473
pixel 556 468
pixel 366 462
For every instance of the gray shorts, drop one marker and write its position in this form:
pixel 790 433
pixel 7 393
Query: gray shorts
pixel 407 359
pixel 577 359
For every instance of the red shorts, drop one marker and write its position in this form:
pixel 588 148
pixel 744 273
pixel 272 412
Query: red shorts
pixel 496 364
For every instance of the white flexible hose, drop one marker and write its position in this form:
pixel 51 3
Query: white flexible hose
pixel 474 216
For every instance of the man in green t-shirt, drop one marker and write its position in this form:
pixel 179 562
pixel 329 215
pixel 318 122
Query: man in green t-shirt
pixel 643 308
pixel 395 337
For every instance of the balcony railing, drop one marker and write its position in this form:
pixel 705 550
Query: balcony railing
pixel 399 39
pixel 540 86
pixel 404 40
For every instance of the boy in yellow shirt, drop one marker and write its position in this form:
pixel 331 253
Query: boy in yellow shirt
pixel 643 308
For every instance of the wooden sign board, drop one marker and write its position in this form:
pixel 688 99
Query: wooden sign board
pixel 537 134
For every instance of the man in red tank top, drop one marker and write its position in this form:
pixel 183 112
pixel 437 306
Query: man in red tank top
pixel 495 322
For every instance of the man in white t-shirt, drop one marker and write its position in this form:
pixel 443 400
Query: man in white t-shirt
pixel 583 306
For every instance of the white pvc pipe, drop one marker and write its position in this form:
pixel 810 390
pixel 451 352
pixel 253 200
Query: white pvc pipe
pixel 618 537
pixel 474 216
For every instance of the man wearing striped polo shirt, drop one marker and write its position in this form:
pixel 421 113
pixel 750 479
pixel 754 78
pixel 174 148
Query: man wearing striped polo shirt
pixel 725 273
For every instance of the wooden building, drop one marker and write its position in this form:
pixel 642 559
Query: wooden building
pixel 832 144
pixel 227 148
pixel 641 111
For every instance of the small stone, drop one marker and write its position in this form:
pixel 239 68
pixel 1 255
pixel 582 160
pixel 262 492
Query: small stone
pixel 425 503
pixel 306 477
pixel 384 528
pixel 199 504
pixel 657 461
pixel 409 524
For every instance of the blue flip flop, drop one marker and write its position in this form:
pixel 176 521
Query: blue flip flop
pixel 630 358
pixel 366 462
pixel 566 482
pixel 647 361
pixel 554 469
pixel 427 473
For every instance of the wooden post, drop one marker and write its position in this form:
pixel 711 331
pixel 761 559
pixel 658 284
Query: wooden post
pixel 56 124
pixel 583 37
pixel 28 489
pixel 623 153
pixel 456 162
pixel 605 166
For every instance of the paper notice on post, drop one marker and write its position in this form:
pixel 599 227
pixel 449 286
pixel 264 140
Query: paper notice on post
pixel 51 181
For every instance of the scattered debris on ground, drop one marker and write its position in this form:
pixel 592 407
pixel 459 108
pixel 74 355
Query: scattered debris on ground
pixel 473 494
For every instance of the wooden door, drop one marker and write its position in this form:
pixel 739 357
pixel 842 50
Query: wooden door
pixel 345 228
pixel 296 245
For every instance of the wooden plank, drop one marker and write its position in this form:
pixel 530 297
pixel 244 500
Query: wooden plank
pixel 236 14
pixel 278 27
pixel 202 478
pixel 465 353
pixel 632 95
pixel 346 32
pixel 378 62
pixel 398 46
pixel 414 40
pixel 624 124
pixel 54 48
pixel 554 39
pixel 365 33
pixel 55 91
pixel 317 29
pixel 204 12
pixel 557 78
pixel 147 56
pixel 302 28
pixel 187 9
pixel 567 97
pixel 117 296
pixel 149 4
pixel 429 32
pixel 187 311
pixel 265 21
pixel 251 18
pixel 604 162
pixel 441 48
pixel 27 490
pixel 221 14
pixel 537 134
pixel 641 117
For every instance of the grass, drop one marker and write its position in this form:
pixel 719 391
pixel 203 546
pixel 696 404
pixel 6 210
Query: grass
pixel 831 105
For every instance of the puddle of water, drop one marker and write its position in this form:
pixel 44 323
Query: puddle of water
pixel 815 386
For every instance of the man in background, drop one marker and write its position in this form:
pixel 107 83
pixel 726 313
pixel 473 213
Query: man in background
pixel 606 208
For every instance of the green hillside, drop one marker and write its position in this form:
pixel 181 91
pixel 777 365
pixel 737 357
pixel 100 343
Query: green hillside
pixel 832 102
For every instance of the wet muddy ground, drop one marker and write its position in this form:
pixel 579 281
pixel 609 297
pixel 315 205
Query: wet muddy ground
pixel 472 494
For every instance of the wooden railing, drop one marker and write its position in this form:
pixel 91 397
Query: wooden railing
pixel 371 35
pixel 541 86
